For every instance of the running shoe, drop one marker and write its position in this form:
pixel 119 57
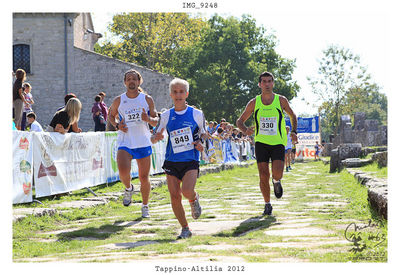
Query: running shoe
pixel 278 190
pixel 287 169
pixel 145 211
pixel 290 168
pixel 196 208
pixel 267 209
pixel 185 233
pixel 128 197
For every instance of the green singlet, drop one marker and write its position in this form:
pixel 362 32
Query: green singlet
pixel 270 122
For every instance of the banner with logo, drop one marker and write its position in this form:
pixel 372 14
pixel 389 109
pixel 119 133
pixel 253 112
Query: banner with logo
pixel 305 124
pixel 307 135
pixel 68 162
pixel 22 167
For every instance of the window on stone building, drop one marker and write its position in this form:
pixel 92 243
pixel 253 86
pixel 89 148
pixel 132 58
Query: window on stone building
pixel 22 57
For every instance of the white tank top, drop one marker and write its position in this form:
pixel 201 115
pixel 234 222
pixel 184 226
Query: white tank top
pixel 130 109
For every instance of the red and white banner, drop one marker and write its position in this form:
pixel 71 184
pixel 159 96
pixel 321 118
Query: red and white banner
pixel 305 148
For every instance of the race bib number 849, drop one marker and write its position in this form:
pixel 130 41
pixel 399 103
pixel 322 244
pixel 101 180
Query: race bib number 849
pixel 181 140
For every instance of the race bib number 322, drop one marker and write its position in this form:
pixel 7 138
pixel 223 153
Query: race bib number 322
pixel 133 116
pixel 181 140
pixel 268 126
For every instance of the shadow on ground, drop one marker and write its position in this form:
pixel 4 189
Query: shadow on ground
pixel 251 224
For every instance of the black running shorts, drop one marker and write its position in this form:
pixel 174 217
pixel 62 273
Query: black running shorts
pixel 265 152
pixel 179 169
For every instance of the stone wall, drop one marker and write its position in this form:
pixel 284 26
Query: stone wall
pixel 44 32
pixel 106 74
pixel 88 72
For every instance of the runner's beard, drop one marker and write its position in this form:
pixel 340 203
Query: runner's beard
pixel 132 86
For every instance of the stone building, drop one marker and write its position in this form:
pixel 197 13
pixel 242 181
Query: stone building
pixel 56 51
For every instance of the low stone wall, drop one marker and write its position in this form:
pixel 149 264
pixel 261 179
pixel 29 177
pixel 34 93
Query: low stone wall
pixel 380 158
pixel 377 191
pixel 355 162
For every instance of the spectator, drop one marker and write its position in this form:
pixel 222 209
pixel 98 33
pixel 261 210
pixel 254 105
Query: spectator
pixel 74 127
pixel 18 98
pixel 210 128
pixel 34 125
pixel 26 88
pixel 66 117
pixel 98 116
pixel 104 109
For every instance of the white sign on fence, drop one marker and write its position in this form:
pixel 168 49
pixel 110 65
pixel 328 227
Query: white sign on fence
pixel 22 167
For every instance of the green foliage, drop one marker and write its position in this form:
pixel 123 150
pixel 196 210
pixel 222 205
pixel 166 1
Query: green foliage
pixel 230 56
pixel 151 39
pixel 345 87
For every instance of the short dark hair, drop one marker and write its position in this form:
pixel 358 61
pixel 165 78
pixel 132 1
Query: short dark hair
pixel 220 130
pixel 265 74
pixel 68 97
pixel 97 98
pixel 31 114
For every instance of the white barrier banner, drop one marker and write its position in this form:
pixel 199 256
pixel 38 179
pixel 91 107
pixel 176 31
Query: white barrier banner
pixel 22 167
pixel 158 156
pixel 68 162
pixel 110 159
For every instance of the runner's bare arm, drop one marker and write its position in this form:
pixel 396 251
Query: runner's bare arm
pixel 293 118
pixel 114 114
pixel 245 116
pixel 153 118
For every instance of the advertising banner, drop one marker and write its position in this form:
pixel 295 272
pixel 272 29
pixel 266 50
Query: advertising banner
pixel 22 167
pixel 68 162
pixel 305 124
pixel 307 135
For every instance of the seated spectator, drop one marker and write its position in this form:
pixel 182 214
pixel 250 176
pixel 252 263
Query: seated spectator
pixel 34 125
pixel 66 117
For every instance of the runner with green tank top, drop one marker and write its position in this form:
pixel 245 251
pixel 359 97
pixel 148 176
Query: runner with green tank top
pixel 270 134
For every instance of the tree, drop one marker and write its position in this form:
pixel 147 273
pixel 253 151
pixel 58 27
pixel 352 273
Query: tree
pixel 151 39
pixel 340 78
pixel 229 58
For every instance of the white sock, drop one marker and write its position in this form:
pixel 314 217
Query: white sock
pixel 130 188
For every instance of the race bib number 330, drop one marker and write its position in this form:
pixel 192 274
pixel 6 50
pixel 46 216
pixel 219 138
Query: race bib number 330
pixel 268 126
pixel 181 140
